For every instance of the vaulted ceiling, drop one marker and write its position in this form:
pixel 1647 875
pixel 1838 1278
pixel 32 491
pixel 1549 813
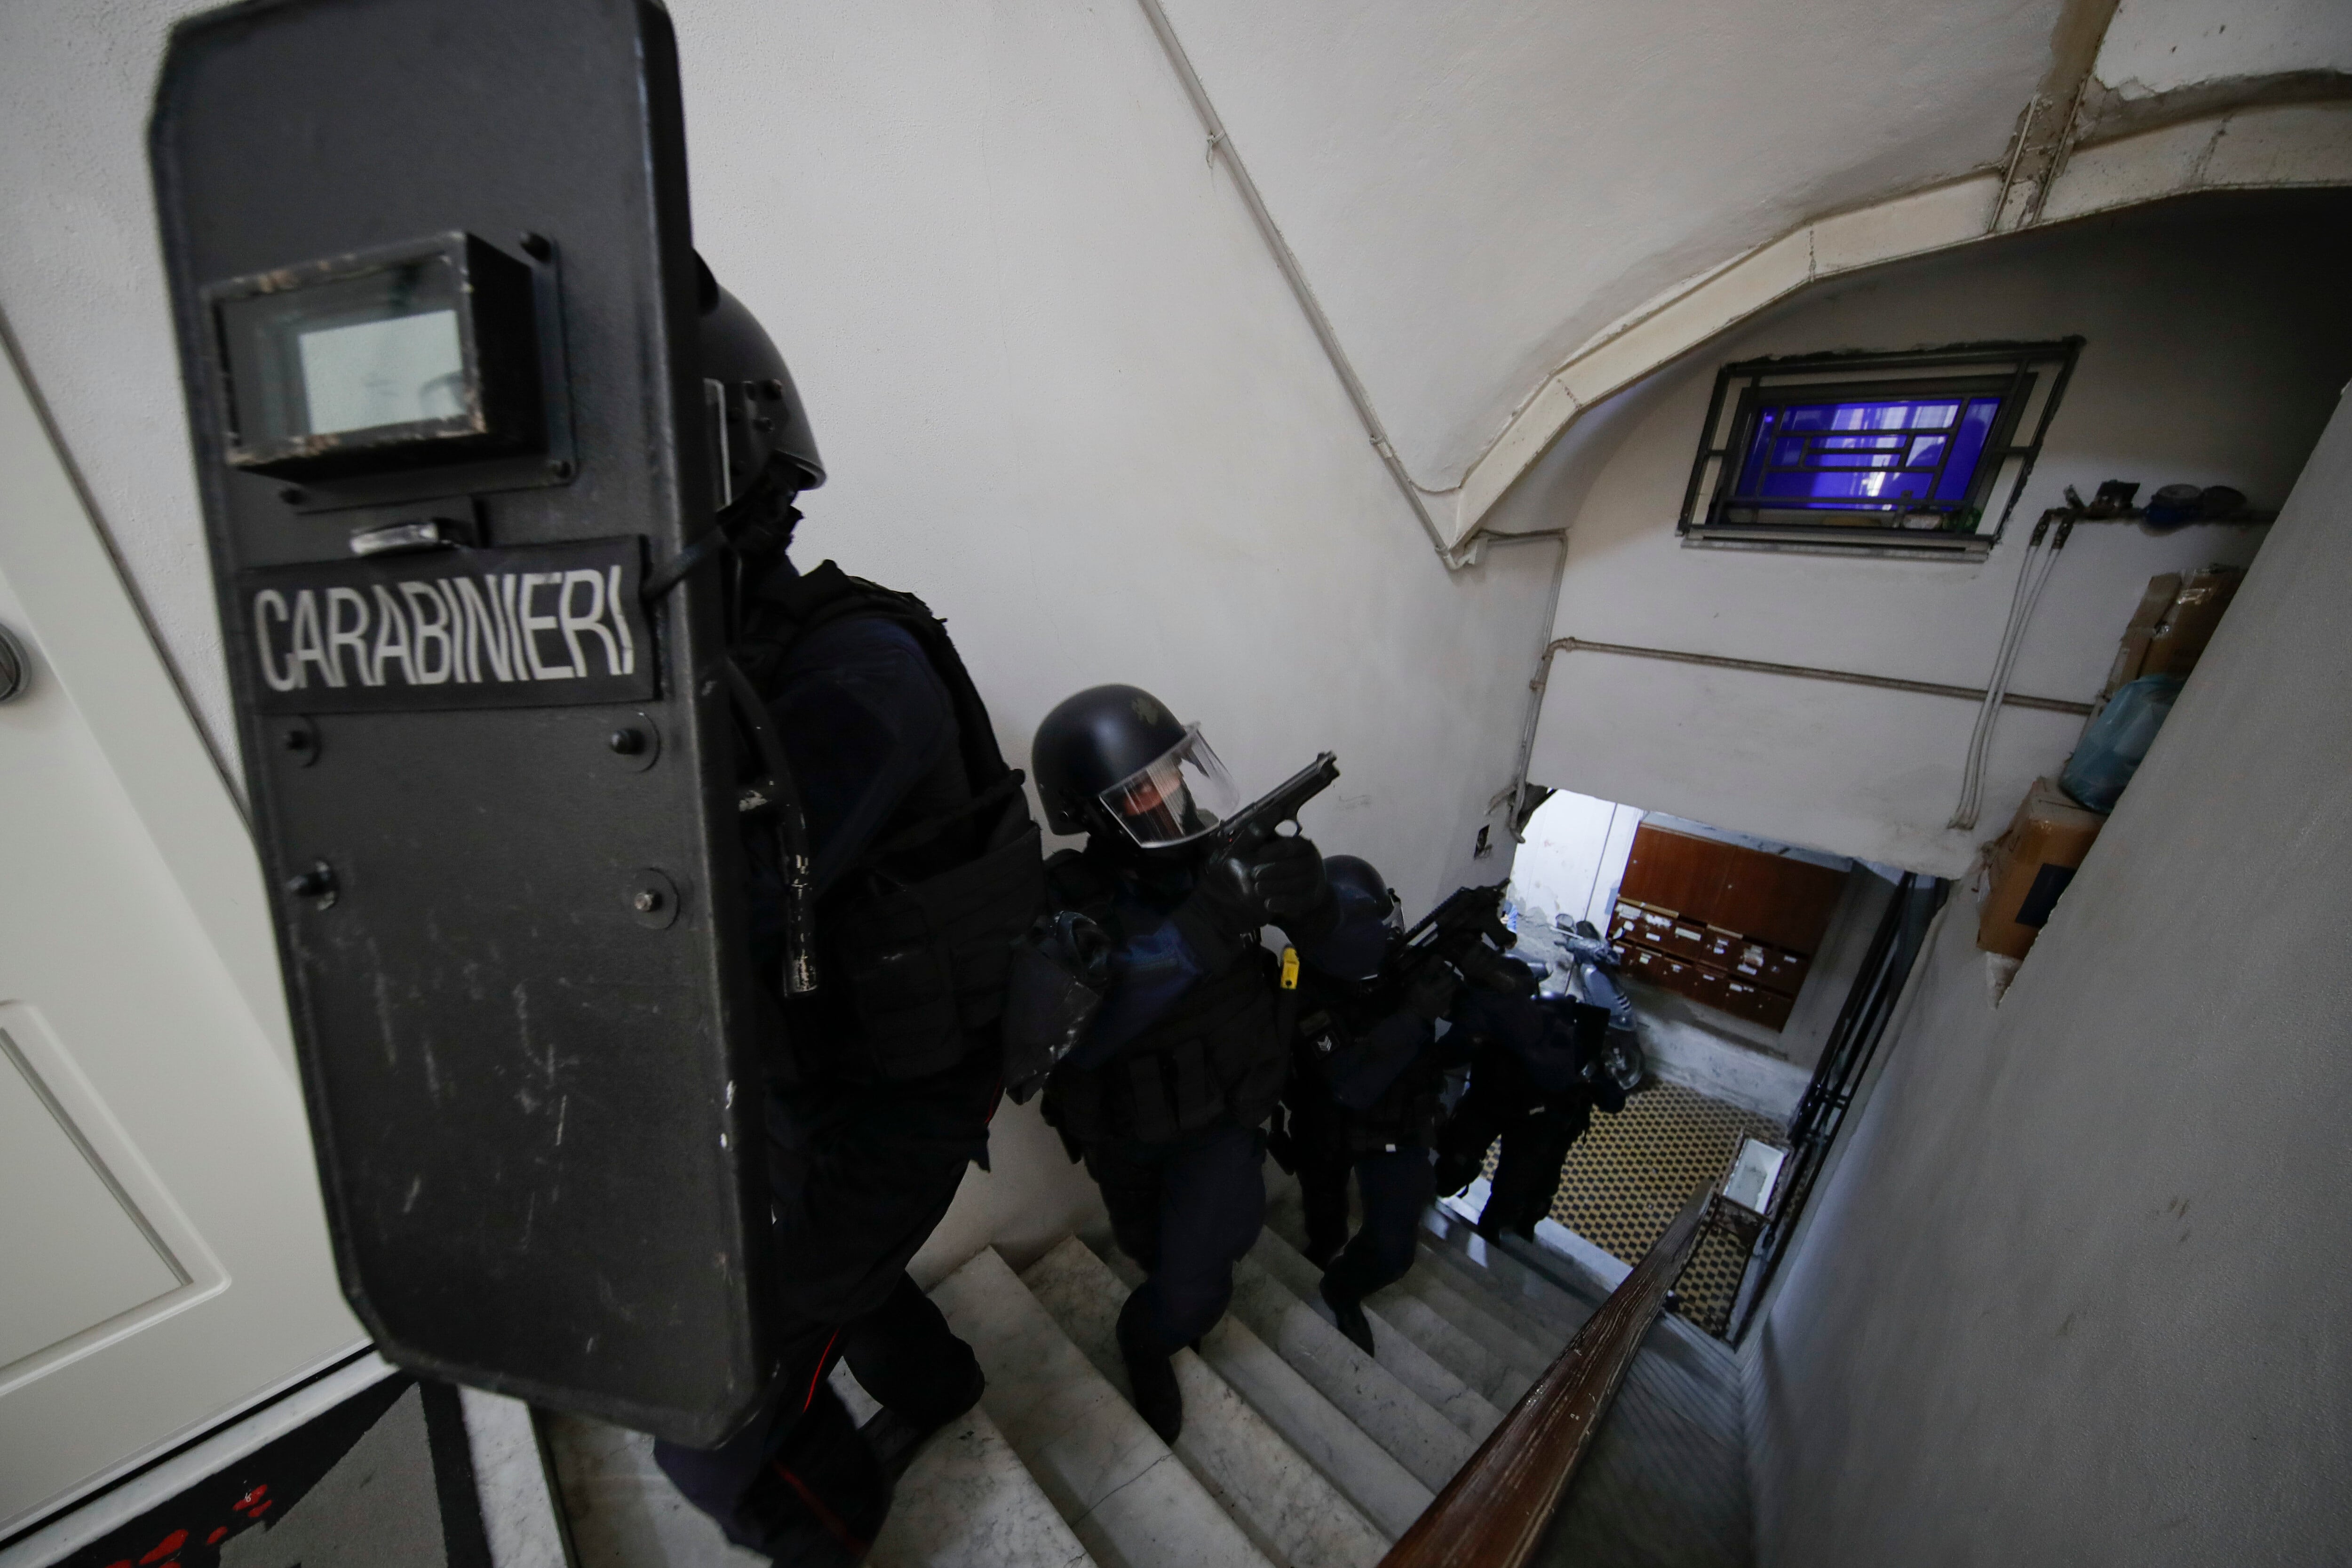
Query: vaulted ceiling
pixel 1477 188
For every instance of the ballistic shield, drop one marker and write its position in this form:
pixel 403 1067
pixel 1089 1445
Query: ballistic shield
pixel 436 299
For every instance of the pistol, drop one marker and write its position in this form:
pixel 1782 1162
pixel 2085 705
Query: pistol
pixel 1246 831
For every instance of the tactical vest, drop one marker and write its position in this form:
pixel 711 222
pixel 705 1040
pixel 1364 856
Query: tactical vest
pixel 1405 1114
pixel 1218 1053
pixel 914 939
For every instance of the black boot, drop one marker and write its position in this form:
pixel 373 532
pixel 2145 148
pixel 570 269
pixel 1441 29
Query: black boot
pixel 1348 1312
pixel 1150 1373
pixel 893 1437
pixel 1454 1175
pixel 821 1497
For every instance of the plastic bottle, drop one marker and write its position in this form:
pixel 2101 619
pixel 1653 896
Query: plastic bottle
pixel 2114 743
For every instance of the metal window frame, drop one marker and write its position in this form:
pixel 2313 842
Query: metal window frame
pixel 1755 400
pixel 2037 374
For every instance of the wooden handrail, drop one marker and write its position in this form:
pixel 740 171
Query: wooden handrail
pixel 1494 1511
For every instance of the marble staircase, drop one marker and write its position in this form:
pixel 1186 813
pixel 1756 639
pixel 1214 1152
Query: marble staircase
pixel 1298 1449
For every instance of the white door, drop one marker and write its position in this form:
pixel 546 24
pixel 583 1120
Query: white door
pixel 163 1254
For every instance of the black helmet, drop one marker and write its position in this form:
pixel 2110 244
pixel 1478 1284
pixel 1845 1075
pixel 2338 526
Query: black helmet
pixel 1357 881
pixel 765 421
pixel 1354 874
pixel 1113 759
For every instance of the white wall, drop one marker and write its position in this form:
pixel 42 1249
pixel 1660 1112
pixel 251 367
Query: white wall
pixel 2218 332
pixel 2077 1291
pixel 1478 189
pixel 1062 391
pixel 1572 855
pixel 2157 45
pixel 1064 394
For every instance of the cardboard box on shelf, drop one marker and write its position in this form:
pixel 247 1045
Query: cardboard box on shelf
pixel 2180 639
pixel 2029 867
pixel 2176 618
pixel 2140 630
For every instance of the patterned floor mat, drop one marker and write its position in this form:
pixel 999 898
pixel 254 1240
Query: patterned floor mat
pixel 1631 1173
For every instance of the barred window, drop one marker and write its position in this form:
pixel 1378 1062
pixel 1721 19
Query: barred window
pixel 1908 451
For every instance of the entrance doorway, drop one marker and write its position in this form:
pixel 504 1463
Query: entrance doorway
pixel 1737 955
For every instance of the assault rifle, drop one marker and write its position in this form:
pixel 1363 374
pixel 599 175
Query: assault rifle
pixel 1458 932
pixel 1243 832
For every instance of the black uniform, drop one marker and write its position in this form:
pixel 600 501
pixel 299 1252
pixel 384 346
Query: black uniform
pixel 1167 1097
pixel 1365 1073
pixel 1534 1079
pixel 1164 1089
pixel 883 1082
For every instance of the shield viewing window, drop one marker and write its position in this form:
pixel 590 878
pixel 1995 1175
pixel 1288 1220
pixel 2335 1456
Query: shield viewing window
pixel 418 354
pixel 1907 452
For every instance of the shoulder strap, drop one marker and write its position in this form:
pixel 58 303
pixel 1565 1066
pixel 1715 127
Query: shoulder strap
pixel 820 597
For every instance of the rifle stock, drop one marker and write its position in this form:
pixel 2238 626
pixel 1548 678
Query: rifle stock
pixel 1457 933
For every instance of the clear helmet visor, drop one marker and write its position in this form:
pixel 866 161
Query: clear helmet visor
pixel 1176 797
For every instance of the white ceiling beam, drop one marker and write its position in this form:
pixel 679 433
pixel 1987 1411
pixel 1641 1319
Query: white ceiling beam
pixel 2258 147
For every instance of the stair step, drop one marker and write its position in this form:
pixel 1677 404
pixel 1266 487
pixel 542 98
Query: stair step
pixel 1368 1393
pixel 1128 1499
pixel 1505 1298
pixel 1551 1305
pixel 1468 1311
pixel 1482 1316
pixel 1393 1347
pixel 622 1511
pixel 1366 1474
pixel 965 1502
pixel 1280 1501
pixel 968 1502
pixel 1466 1357
pixel 1486 1315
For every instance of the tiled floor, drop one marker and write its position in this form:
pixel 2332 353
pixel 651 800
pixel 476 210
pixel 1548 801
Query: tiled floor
pixel 1632 1172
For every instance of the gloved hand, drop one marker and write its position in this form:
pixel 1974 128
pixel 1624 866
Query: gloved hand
pixel 1431 993
pixel 1227 895
pixel 1288 877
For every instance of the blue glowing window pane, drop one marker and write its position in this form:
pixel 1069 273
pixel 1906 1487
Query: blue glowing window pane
pixel 1968 447
pixel 1868 488
pixel 1881 453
